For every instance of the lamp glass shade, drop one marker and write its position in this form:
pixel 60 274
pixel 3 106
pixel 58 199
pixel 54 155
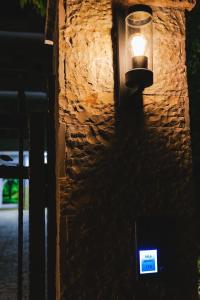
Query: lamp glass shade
pixel 139 41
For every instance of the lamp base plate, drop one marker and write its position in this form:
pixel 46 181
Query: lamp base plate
pixel 139 77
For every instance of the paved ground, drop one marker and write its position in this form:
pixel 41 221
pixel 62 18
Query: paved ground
pixel 8 254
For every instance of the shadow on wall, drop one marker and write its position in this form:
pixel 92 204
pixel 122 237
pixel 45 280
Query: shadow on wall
pixel 144 172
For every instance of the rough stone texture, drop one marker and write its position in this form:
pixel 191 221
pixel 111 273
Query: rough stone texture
pixel 180 4
pixel 169 53
pixel 121 164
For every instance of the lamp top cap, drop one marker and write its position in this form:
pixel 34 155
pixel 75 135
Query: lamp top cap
pixel 140 7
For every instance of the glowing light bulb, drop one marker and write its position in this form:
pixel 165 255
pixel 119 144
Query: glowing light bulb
pixel 138 45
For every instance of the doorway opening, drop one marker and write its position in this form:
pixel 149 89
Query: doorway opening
pixel 27 207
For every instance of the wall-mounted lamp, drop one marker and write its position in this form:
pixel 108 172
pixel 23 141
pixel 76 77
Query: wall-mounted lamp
pixel 139 47
pixel 135 49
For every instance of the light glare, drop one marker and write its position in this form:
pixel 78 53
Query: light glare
pixel 138 45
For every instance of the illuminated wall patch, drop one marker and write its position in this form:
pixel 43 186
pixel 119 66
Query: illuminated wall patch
pixel 148 261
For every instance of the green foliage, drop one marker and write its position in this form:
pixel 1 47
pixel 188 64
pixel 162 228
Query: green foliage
pixel 40 5
pixel 10 191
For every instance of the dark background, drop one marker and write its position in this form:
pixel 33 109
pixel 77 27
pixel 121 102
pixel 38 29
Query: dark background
pixel 193 63
pixel 15 18
pixel 28 19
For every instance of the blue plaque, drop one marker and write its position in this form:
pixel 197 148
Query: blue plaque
pixel 148 261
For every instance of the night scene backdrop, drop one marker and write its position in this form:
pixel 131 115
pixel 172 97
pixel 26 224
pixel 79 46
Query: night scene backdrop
pixel 29 16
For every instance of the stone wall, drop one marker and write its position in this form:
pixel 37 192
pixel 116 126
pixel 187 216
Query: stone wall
pixel 121 162
pixel 180 4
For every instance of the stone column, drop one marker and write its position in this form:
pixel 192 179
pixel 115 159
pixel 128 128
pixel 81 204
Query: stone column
pixel 121 164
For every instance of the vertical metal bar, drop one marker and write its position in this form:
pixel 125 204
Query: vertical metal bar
pixel 36 208
pixel 20 219
pixel 120 40
pixel 51 214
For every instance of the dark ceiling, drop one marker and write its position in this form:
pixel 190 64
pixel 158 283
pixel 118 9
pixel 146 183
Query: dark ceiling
pixel 25 64
pixel 24 58
pixel 14 18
